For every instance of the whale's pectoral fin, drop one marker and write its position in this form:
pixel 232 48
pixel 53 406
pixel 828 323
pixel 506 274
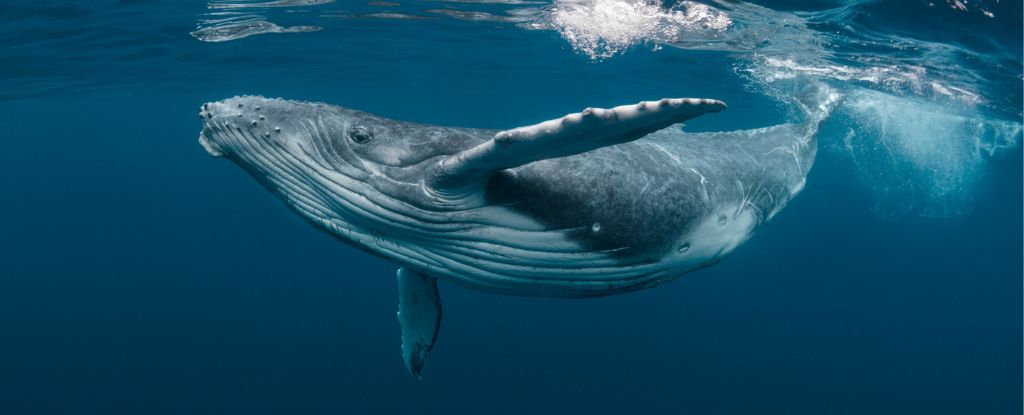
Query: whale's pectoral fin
pixel 577 133
pixel 419 312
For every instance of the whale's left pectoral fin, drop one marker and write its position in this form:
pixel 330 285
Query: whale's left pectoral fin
pixel 419 313
pixel 576 133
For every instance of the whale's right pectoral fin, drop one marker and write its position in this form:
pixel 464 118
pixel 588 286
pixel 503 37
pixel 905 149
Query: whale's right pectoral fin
pixel 419 313
pixel 576 133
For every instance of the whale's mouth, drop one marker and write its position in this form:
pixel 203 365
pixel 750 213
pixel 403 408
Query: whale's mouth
pixel 210 146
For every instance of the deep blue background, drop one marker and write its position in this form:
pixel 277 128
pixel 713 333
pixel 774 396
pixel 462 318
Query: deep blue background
pixel 139 275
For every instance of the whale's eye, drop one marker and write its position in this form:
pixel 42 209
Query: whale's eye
pixel 360 134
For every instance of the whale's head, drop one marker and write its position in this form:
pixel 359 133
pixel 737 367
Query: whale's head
pixel 273 137
pixel 333 165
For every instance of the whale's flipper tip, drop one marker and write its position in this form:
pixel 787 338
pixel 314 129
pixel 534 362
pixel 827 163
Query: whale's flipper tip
pixel 419 313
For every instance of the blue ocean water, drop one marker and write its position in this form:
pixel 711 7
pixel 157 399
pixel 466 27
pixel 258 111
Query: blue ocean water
pixel 139 275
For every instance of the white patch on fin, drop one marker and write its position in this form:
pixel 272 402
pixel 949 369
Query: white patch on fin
pixel 419 313
pixel 576 133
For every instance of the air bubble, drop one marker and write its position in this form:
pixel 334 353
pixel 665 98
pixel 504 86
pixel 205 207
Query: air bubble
pixel 596 227
pixel 722 220
pixel 684 247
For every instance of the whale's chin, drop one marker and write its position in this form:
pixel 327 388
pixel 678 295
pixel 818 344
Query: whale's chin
pixel 210 146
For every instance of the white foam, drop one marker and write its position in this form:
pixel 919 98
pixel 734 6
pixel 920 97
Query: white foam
pixel 897 78
pixel 919 157
pixel 961 5
pixel 604 28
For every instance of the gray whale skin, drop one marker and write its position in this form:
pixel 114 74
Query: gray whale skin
pixel 595 203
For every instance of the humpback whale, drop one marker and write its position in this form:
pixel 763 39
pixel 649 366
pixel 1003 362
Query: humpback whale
pixel 594 203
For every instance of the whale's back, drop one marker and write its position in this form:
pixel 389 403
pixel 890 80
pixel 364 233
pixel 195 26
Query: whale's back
pixel 640 198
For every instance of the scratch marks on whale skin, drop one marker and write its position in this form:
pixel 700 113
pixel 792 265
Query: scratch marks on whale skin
pixel 703 184
pixel 658 147
pixel 748 197
pixel 792 151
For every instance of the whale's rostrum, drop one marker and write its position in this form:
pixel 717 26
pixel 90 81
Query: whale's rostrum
pixel 594 203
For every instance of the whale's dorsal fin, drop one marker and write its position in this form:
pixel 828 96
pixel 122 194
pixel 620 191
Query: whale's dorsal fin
pixel 419 313
pixel 576 133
